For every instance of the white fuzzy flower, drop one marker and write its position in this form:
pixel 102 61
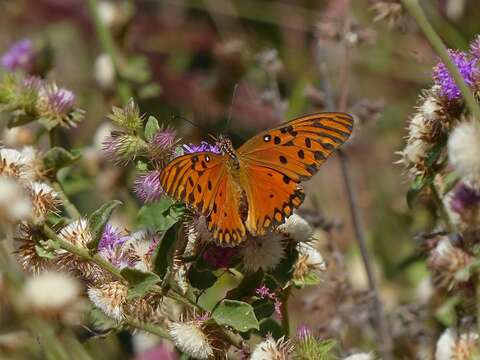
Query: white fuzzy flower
pixel 464 150
pixel 33 163
pixel 139 248
pixel 77 233
pixel 272 349
pixel 51 291
pixel 107 12
pixel 417 126
pixel 190 339
pixel 297 228
pixel 360 356
pixel 432 109
pixel 451 345
pixel 12 163
pixel 104 71
pixel 45 200
pixel 110 298
pixel 310 261
pixel 263 252
pixel 415 151
pixel 15 204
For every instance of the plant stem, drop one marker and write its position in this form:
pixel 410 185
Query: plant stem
pixel 151 328
pixel 106 40
pixel 417 12
pixel 83 253
pixel 383 334
pixel 72 211
pixel 441 208
pixel 285 315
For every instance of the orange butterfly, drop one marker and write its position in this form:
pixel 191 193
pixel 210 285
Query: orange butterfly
pixel 263 174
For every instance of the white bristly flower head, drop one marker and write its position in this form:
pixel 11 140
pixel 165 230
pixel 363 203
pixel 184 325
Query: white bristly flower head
pixel 297 228
pixel 263 252
pixel 139 248
pixel 15 204
pixel 45 201
pixel 190 338
pixel 360 356
pixel 453 345
pixel 77 233
pixel 463 150
pixel 272 349
pixel 12 163
pixel 33 162
pixel 110 298
pixel 104 71
pixel 310 261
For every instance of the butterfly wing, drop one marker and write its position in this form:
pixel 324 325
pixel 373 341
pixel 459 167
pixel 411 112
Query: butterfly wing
pixel 202 181
pixel 277 160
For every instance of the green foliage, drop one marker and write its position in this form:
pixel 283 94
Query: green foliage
pixel 160 215
pixel 263 308
pixel 140 282
pixel 162 258
pixel 201 279
pixel 128 118
pixel 314 349
pixel 247 286
pixel 57 158
pixel 270 326
pixel 97 221
pixel 419 183
pixel 151 128
pixel 237 314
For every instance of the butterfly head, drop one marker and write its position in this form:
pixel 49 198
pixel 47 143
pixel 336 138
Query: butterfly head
pixel 226 147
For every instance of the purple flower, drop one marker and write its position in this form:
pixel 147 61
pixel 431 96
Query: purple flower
pixel 203 147
pixel 263 291
pixel 303 332
pixel 464 198
pixel 147 186
pixel 467 67
pixel 219 257
pixel 20 56
pixel 58 101
pixel 164 139
pixel 110 246
pixel 475 47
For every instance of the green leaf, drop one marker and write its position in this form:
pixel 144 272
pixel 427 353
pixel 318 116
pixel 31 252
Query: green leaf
pixel 57 158
pixel 450 181
pixel 284 271
pixel 416 188
pixel 163 255
pixel 97 222
pixel 19 118
pixel 270 326
pixel 151 128
pixel 263 308
pixel 308 280
pixel 43 252
pixel 434 154
pixel 201 279
pixel 140 282
pixel 237 314
pixel 160 215
pixel 247 286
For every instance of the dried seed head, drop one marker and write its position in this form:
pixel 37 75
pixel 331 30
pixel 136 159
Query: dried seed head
pixel 139 248
pixel 262 252
pixel 25 248
pixel 110 298
pixel 447 260
pixel 12 163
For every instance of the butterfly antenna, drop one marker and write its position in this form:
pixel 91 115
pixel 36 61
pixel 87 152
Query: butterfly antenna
pixel 229 118
pixel 175 117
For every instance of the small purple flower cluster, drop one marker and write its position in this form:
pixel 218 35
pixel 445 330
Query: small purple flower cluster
pixel 203 147
pixel 110 247
pixel 147 186
pixel 467 64
pixel 20 56
pixel 265 293
pixel 464 198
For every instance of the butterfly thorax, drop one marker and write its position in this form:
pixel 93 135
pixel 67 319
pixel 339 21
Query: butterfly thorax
pixel 226 148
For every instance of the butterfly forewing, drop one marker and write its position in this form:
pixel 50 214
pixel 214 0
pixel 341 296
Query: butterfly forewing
pixel 292 152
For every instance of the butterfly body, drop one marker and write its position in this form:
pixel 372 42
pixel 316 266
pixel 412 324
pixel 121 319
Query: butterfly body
pixel 257 186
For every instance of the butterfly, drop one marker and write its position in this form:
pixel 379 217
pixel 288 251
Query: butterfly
pixel 255 187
